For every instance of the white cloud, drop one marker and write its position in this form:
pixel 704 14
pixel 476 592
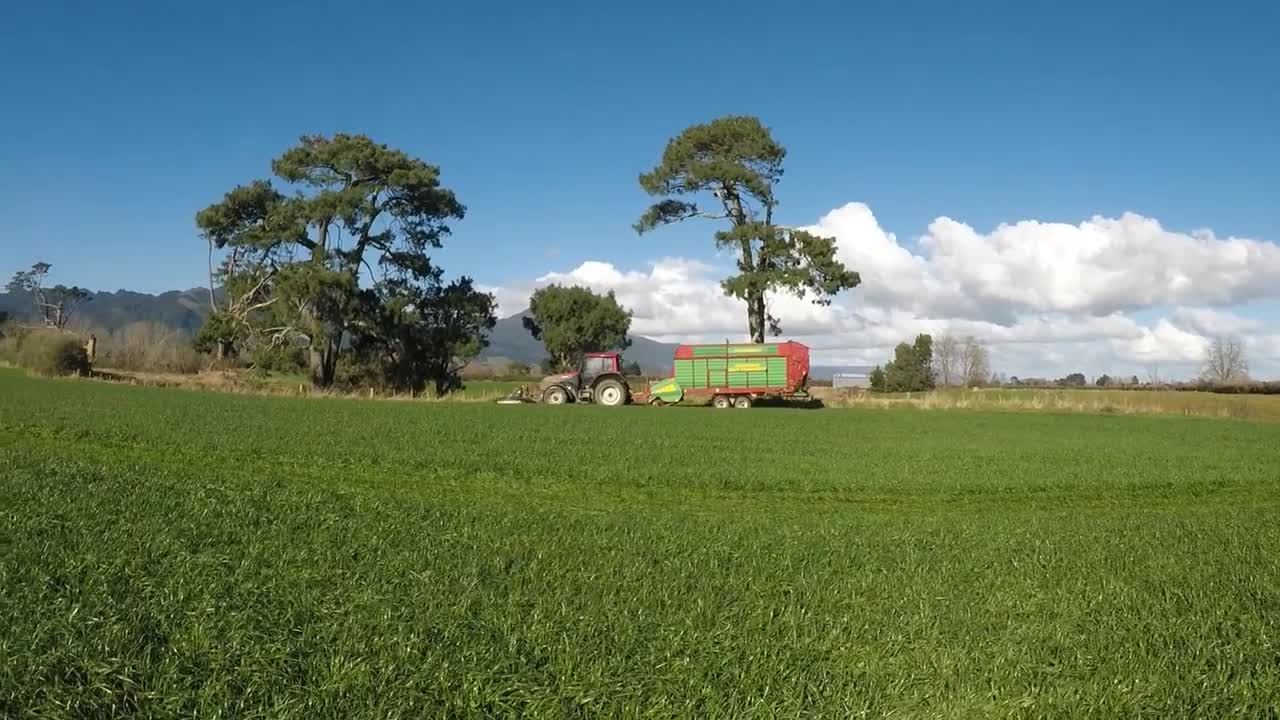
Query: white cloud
pixel 1048 297
pixel 1099 266
pixel 1163 343
pixel 678 298
pixel 1208 322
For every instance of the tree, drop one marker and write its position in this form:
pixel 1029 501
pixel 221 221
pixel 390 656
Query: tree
pixel 56 304
pixel 1225 362
pixel 911 369
pixel 946 359
pixel 735 161
pixel 1073 380
pixel 877 380
pixel 961 361
pixel 975 363
pixel 1153 375
pixel 1104 380
pixel 293 263
pixel 573 321
pixel 417 334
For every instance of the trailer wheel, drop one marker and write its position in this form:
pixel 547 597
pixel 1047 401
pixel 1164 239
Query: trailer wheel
pixel 555 395
pixel 722 401
pixel 610 393
pixel 742 402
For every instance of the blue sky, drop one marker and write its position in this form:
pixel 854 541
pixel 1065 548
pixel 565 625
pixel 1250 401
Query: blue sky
pixel 123 119
pixel 126 118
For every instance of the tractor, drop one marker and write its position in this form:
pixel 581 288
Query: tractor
pixel 599 380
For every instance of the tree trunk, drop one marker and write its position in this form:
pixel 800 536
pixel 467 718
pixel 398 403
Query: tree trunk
pixel 324 362
pixel 756 316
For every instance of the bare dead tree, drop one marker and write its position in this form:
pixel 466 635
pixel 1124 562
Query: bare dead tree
pixel 1225 361
pixel 974 362
pixel 55 304
pixel 1153 375
pixel 946 359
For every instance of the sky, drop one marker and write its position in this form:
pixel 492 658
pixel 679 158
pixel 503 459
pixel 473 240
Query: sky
pixel 1079 185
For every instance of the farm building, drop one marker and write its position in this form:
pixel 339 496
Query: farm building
pixel 854 377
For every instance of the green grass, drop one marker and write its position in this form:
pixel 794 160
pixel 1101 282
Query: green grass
pixel 169 553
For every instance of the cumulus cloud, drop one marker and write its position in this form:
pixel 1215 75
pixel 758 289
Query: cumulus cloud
pixel 1208 322
pixel 1047 297
pixel 1100 266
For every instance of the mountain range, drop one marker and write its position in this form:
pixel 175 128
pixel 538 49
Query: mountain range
pixel 185 310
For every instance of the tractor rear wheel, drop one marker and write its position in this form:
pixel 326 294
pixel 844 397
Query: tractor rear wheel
pixel 610 393
pixel 722 401
pixel 555 395
pixel 742 401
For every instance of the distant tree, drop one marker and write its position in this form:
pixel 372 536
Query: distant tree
pixel 1073 380
pixel 1225 362
pixel 1153 375
pixel 294 263
pixel 4 322
pixel 922 356
pixel 54 304
pixel 1133 381
pixel 1104 381
pixel 975 363
pixel 946 360
pixel 573 321
pixel 877 380
pixel 734 162
pixel 911 369
pixel 516 369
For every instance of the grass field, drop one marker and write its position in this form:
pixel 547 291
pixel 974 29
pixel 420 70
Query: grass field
pixel 167 553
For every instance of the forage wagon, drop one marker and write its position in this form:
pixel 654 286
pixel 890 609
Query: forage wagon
pixel 721 374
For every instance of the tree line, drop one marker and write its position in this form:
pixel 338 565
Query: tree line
pixel 966 362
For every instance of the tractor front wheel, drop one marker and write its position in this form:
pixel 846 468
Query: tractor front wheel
pixel 611 393
pixel 555 395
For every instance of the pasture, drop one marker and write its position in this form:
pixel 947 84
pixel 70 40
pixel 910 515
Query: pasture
pixel 171 553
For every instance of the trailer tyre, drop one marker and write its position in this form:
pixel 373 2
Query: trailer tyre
pixel 722 401
pixel 555 395
pixel 610 393
pixel 742 402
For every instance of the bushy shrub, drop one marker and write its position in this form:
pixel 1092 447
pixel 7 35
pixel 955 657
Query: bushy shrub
pixel 279 358
pixel 52 353
pixel 149 347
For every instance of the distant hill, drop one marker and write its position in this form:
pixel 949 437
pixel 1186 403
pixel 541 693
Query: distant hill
pixel 185 310
pixel 110 311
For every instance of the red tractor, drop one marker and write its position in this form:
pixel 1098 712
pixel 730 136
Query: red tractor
pixel 599 381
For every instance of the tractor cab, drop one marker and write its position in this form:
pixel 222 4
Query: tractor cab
pixel 601 363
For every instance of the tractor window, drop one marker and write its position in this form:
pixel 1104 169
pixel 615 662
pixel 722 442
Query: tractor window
pixel 598 365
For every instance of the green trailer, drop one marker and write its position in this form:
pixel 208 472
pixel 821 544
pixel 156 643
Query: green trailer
pixel 734 374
